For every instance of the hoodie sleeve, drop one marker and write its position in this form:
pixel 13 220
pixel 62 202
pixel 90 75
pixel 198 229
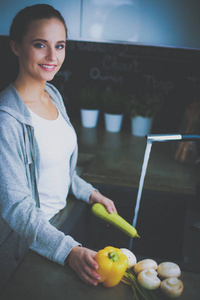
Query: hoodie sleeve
pixel 17 206
pixel 80 188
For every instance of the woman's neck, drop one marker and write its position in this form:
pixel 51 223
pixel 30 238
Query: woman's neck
pixel 30 91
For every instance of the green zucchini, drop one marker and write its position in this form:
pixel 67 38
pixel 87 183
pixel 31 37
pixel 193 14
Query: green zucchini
pixel 114 219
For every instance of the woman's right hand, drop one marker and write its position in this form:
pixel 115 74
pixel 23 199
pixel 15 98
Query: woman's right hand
pixel 81 260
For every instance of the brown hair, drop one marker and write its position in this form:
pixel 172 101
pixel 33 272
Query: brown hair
pixel 29 14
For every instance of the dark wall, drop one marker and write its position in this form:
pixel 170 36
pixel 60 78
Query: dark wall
pixel 174 73
pixel 8 63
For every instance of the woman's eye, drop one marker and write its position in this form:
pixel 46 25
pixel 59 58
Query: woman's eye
pixel 38 45
pixel 61 46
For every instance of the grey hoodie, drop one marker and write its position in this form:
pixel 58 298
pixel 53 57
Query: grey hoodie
pixel 20 214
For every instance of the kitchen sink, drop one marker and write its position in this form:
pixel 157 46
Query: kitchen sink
pixel 165 224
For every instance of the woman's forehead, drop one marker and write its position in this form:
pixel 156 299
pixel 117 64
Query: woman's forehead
pixel 46 29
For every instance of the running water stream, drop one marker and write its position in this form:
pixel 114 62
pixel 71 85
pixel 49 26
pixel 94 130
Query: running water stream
pixel 141 183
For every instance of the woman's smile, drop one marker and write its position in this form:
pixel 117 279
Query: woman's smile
pixel 48 67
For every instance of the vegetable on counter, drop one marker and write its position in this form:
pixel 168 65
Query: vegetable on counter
pixel 168 269
pixel 148 279
pixel 151 281
pixel 145 264
pixel 131 257
pixel 172 287
pixel 112 265
pixel 114 219
pixel 139 292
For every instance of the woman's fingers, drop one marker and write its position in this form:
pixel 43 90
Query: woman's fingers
pixel 81 260
pixel 97 197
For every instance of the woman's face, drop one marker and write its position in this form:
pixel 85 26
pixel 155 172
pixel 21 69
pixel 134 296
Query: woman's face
pixel 42 50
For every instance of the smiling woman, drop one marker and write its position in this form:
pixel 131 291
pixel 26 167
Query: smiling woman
pixel 42 49
pixel 39 151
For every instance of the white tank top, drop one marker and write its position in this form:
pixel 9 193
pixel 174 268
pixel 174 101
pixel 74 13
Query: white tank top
pixel 57 141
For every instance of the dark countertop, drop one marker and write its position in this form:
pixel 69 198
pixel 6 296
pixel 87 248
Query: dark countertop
pixel 118 158
pixel 115 159
pixel 38 278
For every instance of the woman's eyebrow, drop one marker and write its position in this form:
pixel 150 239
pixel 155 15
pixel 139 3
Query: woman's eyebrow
pixel 45 41
pixel 39 40
pixel 62 42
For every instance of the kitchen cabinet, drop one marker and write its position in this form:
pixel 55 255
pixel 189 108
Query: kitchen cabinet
pixel 156 22
pixel 70 10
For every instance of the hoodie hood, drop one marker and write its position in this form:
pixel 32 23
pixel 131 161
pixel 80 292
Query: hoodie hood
pixel 11 102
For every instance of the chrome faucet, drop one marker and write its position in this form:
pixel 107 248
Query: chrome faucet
pixel 171 137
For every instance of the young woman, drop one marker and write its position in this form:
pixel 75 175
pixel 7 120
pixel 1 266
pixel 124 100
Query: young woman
pixel 38 151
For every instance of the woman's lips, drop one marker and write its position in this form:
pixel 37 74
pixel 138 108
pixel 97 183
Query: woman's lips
pixel 47 67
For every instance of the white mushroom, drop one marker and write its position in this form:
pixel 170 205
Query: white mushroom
pixel 145 264
pixel 172 287
pixel 148 279
pixel 131 257
pixel 168 269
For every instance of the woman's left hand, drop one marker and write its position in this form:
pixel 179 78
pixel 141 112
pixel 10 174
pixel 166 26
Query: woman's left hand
pixel 97 197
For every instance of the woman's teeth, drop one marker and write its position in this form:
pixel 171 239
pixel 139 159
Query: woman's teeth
pixel 48 67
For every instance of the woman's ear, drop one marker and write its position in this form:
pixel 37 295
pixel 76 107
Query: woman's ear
pixel 15 47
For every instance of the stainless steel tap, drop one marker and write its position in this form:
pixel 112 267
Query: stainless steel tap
pixel 171 137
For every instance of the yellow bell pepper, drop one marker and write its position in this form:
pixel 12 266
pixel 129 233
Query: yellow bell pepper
pixel 112 265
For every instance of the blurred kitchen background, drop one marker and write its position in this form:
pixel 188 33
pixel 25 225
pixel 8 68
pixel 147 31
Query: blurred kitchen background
pixel 124 45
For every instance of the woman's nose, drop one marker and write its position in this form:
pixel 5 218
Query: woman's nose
pixel 51 55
